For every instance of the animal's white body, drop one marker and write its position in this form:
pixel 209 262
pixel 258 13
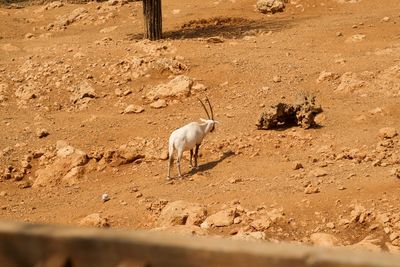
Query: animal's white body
pixel 185 138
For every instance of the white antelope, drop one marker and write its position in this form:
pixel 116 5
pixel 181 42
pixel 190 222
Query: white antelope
pixel 189 137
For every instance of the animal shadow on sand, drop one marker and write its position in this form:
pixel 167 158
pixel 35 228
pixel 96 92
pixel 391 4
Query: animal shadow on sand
pixel 210 165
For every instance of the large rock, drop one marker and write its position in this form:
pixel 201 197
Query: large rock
pixel 324 240
pixel 182 213
pixel 270 6
pixel 179 86
pixel 220 219
pixel 94 220
pixel 67 167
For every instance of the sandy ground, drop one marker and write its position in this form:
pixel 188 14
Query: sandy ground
pixel 235 52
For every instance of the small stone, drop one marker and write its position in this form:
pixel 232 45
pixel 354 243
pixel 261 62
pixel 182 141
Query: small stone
pixel 394 236
pixel 164 155
pixel 139 195
pixel 105 197
pixel 25 184
pixel 319 172
pixel 310 189
pixel 297 165
pixel 387 132
pixel 133 109
pixel 385 19
pixel 355 38
pixel 235 180
pixel 28 35
pixel 237 220
pixel 339 34
pixel 261 224
pixel 395 172
pixel 41 133
pixel 277 79
pixel 118 92
pixel 330 225
pixel 3 194
pixel 160 103
pixel 376 111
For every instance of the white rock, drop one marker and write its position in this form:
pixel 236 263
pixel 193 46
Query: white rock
pixel 105 197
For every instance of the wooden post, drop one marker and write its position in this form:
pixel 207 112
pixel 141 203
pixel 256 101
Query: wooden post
pixel 152 19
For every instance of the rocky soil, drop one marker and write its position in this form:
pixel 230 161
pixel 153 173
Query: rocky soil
pixel 87 106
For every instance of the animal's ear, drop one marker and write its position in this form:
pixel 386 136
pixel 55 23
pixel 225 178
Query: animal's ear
pixel 203 120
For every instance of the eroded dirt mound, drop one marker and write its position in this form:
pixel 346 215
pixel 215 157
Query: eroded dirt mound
pixel 302 113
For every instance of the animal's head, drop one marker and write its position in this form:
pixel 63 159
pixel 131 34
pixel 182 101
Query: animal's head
pixel 210 124
pixel 210 119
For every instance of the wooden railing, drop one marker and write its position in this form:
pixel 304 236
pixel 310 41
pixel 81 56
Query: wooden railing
pixel 26 245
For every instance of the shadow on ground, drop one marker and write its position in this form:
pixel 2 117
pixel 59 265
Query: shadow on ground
pixel 210 165
pixel 230 28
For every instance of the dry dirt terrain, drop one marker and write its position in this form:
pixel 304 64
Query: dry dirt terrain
pixel 87 106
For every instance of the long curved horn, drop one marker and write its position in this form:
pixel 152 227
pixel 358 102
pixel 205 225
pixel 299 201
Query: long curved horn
pixel 205 109
pixel 211 109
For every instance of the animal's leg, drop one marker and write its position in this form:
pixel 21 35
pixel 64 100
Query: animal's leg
pixel 191 156
pixel 180 152
pixel 170 160
pixel 196 154
pixel 170 163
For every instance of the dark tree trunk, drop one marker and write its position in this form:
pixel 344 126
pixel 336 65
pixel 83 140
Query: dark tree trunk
pixel 152 19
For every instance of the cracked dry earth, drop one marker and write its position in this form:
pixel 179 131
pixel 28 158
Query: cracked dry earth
pixel 87 106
